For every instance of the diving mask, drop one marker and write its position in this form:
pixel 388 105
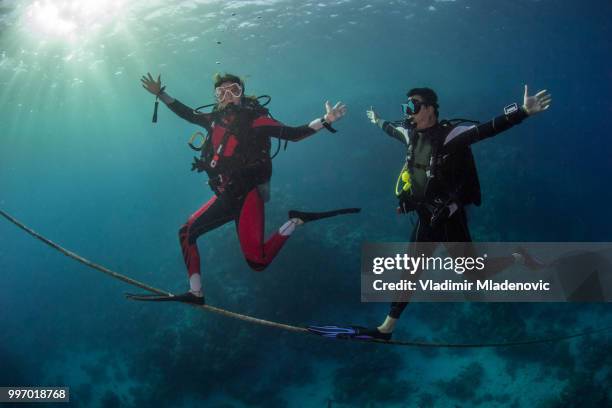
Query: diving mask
pixel 412 107
pixel 234 89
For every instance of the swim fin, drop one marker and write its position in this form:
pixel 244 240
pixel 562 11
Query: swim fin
pixel 313 216
pixel 349 332
pixel 186 297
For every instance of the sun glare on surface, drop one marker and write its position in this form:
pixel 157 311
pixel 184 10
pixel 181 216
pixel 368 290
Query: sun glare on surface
pixel 70 20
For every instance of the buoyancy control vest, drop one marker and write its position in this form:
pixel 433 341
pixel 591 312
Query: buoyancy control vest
pixel 443 177
pixel 233 159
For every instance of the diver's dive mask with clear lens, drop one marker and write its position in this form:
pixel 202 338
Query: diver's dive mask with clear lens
pixel 234 89
pixel 412 107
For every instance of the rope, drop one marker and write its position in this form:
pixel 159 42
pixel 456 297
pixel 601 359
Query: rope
pixel 269 323
pixel 493 345
pixel 144 286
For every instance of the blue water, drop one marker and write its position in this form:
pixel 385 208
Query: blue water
pixel 81 162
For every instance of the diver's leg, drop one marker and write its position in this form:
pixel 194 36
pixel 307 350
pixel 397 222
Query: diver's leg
pixel 457 230
pixel 457 238
pixel 421 239
pixel 211 215
pixel 250 225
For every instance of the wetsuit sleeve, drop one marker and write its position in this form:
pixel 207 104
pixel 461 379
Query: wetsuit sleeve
pixel 266 126
pixel 475 134
pixel 393 131
pixel 185 112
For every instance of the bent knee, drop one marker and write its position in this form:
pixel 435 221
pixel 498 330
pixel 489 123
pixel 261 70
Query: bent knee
pixel 256 266
pixel 183 231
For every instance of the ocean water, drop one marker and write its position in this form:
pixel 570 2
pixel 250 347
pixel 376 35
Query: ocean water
pixel 81 162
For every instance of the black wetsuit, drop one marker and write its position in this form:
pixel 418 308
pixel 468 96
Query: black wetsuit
pixel 452 147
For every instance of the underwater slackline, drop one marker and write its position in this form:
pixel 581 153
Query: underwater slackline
pixel 282 326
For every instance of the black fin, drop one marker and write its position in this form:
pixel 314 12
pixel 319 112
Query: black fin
pixel 186 297
pixel 313 216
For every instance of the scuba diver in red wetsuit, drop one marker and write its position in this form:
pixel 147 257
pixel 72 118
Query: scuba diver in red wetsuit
pixel 236 157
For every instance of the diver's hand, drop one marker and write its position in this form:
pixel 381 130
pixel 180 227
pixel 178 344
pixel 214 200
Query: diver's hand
pixel 198 165
pixel 373 116
pixel 537 103
pixel 334 113
pixel 152 85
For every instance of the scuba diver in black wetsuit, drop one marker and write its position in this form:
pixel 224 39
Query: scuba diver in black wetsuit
pixel 236 157
pixel 438 180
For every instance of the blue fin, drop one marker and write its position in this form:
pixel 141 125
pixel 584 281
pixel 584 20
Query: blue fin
pixel 348 332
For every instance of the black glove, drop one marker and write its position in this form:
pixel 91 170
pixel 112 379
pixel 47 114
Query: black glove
pixel 198 165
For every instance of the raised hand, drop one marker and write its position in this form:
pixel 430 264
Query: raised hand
pixel 334 113
pixel 372 115
pixel 152 85
pixel 536 103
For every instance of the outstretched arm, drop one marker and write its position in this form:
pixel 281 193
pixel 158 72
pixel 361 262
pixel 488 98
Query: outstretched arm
pixel 265 126
pixel 155 87
pixel 400 134
pixel 513 115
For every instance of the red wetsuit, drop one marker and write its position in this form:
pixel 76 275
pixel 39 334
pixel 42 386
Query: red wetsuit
pixel 239 147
